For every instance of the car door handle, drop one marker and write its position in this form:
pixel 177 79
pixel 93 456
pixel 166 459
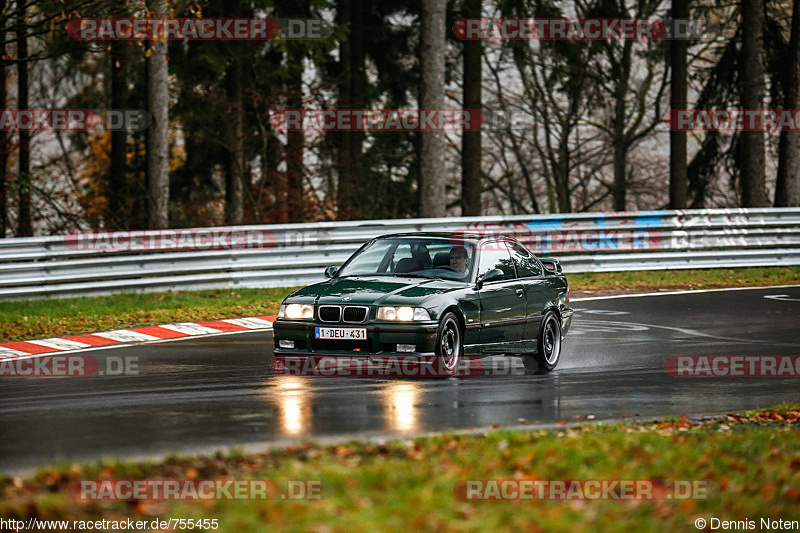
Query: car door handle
pixel 520 292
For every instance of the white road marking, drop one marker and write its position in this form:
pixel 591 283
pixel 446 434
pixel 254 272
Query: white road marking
pixel 60 344
pixel 250 323
pixel 190 328
pixel 781 297
pixel 124 335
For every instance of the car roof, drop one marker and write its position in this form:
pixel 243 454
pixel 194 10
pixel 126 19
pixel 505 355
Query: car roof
pixel 455 236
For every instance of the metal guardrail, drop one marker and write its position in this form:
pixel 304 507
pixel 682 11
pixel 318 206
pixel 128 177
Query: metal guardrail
pixel 91 263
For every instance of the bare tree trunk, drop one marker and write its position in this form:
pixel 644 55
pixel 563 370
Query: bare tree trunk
pixel 471 152
pixel 276 180
pixel 24 178
pixel 352 194
pixel 678 176
pixel 344 186
pixel 619 140
pixel 358 100
pixel 787 190
pixel 620 185
pixel 620 148
pixel 295 140
pixel 561 173
pixel 433 202
pixel 751 68
pixel 158 134
pixel 3 134
pixel 116 215
pixel 234 182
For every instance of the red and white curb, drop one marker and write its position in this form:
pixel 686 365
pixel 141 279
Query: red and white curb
pixel 127 337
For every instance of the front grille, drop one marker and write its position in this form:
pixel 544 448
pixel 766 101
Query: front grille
pixel 323 345
pixel 354 315
pixel 330 313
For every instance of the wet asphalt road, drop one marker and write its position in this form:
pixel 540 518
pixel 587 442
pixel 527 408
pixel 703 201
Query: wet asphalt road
pixel 216 392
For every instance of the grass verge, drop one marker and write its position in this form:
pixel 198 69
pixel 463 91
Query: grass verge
pixel 751 460
pixel 32 319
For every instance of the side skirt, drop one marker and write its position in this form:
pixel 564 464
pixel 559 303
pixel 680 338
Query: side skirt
pixel 516 347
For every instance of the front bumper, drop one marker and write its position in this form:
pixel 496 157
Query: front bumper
pixel 382 339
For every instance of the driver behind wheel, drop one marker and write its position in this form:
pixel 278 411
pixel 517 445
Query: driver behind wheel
pixel 459 259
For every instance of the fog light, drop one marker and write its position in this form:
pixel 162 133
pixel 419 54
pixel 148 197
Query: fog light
pixel 406 347
pixel 285 344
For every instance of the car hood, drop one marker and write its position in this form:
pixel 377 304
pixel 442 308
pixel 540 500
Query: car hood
pixel 377 290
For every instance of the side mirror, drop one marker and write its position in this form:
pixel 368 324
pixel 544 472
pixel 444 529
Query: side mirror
pixel 331 271
pixel 493 275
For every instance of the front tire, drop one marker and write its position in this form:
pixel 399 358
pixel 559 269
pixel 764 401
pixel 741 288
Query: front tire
pixel 548 345
pixel 449 344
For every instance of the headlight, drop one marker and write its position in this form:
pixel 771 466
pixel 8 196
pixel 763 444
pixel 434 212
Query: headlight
pixel 403 314
pixel 295 311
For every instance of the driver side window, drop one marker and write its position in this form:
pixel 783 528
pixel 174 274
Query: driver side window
pixel 495 255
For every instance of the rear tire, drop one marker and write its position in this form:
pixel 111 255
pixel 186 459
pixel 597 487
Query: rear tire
pixel 449 344
pixel 548 345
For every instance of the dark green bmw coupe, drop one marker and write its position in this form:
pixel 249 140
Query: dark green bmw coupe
pixel 431 297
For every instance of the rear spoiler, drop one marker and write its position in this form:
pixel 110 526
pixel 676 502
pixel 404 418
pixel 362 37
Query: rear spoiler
pixel 552 265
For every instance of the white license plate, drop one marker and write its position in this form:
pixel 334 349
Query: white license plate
pixel 345 334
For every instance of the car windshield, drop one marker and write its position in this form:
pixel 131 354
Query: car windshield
pixel 430 258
